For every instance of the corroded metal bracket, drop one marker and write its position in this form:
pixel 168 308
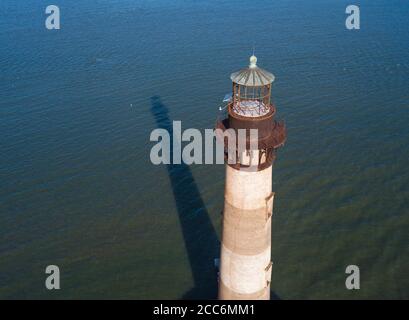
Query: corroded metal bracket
pixel 268 271
pixel 269 205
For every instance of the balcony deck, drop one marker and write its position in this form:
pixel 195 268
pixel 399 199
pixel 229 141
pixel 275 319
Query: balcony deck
pixel 274 140
pixel 250 108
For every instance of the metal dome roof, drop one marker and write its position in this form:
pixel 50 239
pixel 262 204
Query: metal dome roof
pixel 252 76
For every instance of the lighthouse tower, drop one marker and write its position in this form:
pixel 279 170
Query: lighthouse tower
pixel 245 262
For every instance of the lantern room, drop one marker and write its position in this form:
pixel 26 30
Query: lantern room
pixel 251 91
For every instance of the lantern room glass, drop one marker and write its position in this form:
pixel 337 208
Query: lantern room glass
pixel 251 101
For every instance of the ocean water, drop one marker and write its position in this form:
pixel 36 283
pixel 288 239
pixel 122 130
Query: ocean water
pixel 77 105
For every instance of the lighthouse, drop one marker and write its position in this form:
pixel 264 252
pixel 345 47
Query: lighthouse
pixel 245 261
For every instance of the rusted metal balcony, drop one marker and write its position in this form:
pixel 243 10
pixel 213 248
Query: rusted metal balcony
pixel 273 139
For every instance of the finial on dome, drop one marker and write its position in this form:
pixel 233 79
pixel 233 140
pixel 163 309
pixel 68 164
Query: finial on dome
pixel 253 61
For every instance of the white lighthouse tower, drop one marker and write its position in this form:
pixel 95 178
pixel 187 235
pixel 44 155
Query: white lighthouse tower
pixel 245 262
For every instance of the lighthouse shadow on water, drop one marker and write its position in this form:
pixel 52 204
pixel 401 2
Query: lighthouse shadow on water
pixel 200 237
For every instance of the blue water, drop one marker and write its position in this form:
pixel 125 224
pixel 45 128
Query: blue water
pixel 77 105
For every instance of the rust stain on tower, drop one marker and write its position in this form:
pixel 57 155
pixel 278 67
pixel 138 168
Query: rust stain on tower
pixel 245 262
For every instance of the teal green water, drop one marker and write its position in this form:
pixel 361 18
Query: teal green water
pixel 77 188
